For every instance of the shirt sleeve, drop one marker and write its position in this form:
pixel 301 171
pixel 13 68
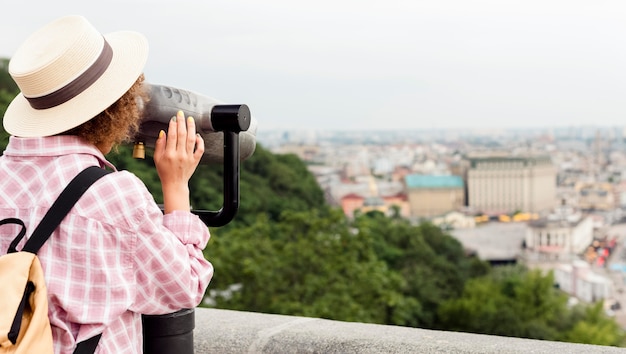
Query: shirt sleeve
pixel 170 270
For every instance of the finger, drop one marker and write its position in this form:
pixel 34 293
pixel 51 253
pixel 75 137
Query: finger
pixel 172 134
pixel 199 142
pixel 191 134
pixel 159 145
pixel 181 135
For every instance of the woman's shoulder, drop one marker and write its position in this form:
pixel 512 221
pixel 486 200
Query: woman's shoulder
pixel 128 185
pixel 119 194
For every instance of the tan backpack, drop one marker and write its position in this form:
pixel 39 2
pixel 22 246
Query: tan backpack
pixel 24 324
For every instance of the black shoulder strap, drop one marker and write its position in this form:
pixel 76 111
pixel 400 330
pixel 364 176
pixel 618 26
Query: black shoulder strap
pixel 64 203
pixel 88 346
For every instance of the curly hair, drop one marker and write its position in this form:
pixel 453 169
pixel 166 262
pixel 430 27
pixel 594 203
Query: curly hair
pixel 119 122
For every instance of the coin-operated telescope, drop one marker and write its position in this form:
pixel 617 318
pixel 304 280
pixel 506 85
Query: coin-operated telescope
pixel 229 134
pixel 228 131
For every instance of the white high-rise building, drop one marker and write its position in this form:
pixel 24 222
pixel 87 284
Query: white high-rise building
pixel 502 185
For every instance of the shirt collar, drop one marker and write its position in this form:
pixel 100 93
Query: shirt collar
pixel 52 146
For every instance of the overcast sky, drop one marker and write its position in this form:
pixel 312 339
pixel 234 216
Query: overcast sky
pixel 388 64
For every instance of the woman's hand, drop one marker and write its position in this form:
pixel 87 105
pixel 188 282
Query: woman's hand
pixel 176 156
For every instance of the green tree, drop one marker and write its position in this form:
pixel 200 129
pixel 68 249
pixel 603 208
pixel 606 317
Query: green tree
pixel 516 302
pixel 274 183
pixel 8 91
pixel 592 326
pixel 433 264
pixel 515 305
pixel 6 82
pixel 309 263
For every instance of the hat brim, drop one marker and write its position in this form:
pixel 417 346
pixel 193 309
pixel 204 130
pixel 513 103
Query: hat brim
pixel 130 53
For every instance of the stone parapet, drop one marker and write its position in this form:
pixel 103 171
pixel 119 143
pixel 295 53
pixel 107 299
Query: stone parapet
pixel 225 331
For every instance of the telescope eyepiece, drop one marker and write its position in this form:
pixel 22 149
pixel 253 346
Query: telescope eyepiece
pixel 230 117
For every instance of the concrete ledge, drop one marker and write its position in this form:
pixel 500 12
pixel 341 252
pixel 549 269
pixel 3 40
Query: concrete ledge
pixel 224 331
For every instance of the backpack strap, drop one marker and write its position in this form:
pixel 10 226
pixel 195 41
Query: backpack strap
pixel 88 346
pixel 59 209
pixel 20 235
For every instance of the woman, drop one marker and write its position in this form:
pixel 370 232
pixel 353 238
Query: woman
pixel 116 255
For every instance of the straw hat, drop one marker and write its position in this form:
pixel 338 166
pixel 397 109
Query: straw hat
pixel 68 73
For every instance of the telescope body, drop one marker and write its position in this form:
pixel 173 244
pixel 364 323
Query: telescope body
pixel 212 118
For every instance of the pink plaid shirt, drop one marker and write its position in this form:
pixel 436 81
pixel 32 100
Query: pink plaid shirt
pixel 114 257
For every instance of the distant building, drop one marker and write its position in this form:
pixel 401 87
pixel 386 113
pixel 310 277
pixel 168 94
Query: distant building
pixel 495 242
pixel 374 204
pixel 578 280
pixel 559 238
pixel 503 185
pixel 372 196
pixel 399 201
pixel 431 196
pixel 304 152
pixel 595 196
pixel 399 173
pixel 620 191
pixel 351 203
pixel 454 220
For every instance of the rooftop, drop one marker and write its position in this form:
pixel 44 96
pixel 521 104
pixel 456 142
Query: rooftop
pixel 494 240
pixel 431 181
pixel 522 160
